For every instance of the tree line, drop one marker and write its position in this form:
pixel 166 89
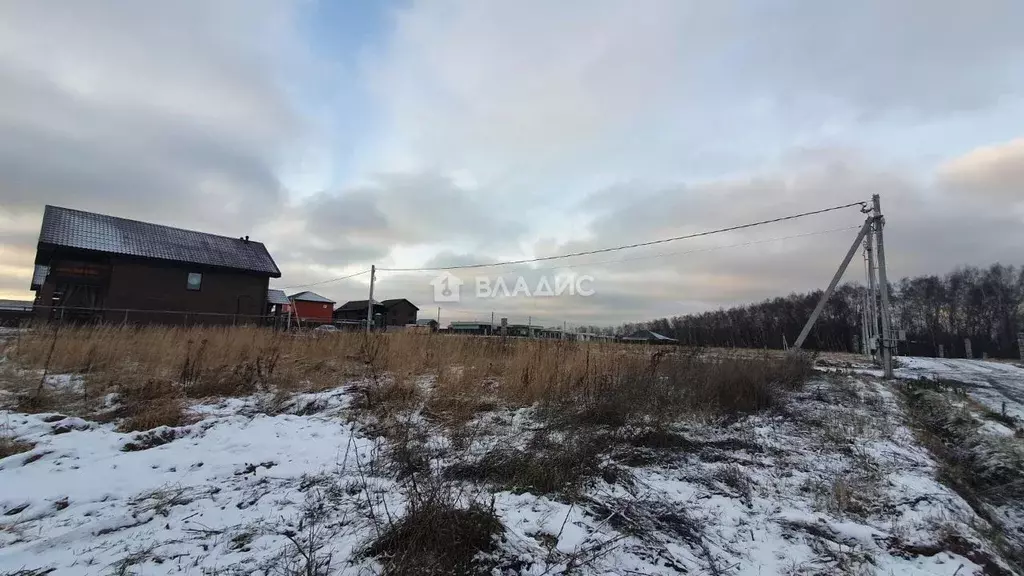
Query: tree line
pixel 985 305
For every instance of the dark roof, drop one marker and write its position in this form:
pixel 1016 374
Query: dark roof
pixel 39 274
pixel 356 305
pixel 308 296
pixel 277 297
pixel 113 235
pixel 393 301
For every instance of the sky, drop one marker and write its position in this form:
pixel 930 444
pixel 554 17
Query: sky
pixel 412 134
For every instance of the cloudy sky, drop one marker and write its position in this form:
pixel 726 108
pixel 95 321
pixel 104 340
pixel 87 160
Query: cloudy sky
pixel 429 133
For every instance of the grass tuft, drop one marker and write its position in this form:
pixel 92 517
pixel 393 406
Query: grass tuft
pixel 435 538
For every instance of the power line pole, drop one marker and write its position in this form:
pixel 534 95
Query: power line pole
pixel 883 285
pixel 369 303
pixel 872 294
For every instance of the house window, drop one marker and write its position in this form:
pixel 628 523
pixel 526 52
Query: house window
pixel 195 281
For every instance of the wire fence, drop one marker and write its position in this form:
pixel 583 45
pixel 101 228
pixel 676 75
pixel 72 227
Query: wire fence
pixel 103 315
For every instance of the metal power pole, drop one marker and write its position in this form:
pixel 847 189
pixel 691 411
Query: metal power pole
pixel 369 303
pixel 883 286
pixel 832 285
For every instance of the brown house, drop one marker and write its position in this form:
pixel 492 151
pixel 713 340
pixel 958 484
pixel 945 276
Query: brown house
pixel 355 311
pixel 103 268
pixel 394 312
pixel 399 312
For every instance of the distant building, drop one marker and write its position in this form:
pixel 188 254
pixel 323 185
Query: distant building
pixel 97 267
pixel 310 306
pixel 399 312
pixel 14 312
pixel 355 310
pixel 429 323
pixel 648 337
pixel 478 328
pixel 394 312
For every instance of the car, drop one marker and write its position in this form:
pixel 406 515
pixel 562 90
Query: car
pixel 326 329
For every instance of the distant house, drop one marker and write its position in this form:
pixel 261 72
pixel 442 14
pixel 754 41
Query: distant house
pixel 478 328
pixel 355 310
pixel 429 323
pixel 14 312
pixel 399 312
pixel 648 337
pixel 310 306
pixel 97 267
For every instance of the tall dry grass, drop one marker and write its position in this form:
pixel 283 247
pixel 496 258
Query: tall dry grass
pixel 600 383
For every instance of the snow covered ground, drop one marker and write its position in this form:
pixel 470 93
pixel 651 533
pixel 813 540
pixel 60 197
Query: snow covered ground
pixel 991 383
pixel 837 484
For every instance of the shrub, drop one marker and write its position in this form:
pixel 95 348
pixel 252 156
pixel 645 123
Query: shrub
pixel 437 537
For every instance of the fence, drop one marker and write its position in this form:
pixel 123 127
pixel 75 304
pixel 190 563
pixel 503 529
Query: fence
pixel 164 317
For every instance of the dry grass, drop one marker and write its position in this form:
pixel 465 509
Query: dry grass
pixel 150 404
pixel 9 445
pixel 583 383
pixel 443 531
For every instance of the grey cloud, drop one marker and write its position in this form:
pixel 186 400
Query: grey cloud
pixel 410 209
pixel 878 56
pixel 355 211
pixel 159 113
pixel 991 173
pixel 169 112
pixel 926 233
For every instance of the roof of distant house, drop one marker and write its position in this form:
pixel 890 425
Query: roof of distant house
pixel 393 301
pixel 308 296
pixel 277 297
pixel 356 305
pixel 101 233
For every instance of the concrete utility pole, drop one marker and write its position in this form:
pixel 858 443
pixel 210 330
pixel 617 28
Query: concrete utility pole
pixel 883 285
pixel 832 285
pixel 369 303
pixel 865 318
pixel 872 295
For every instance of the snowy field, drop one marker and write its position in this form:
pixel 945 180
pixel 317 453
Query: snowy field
pixel 994 384
pixel 836 483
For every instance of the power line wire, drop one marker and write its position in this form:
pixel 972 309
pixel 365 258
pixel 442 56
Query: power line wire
pixel 628 246
pixel 329 280
pixel 483 312
pixel 698 250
